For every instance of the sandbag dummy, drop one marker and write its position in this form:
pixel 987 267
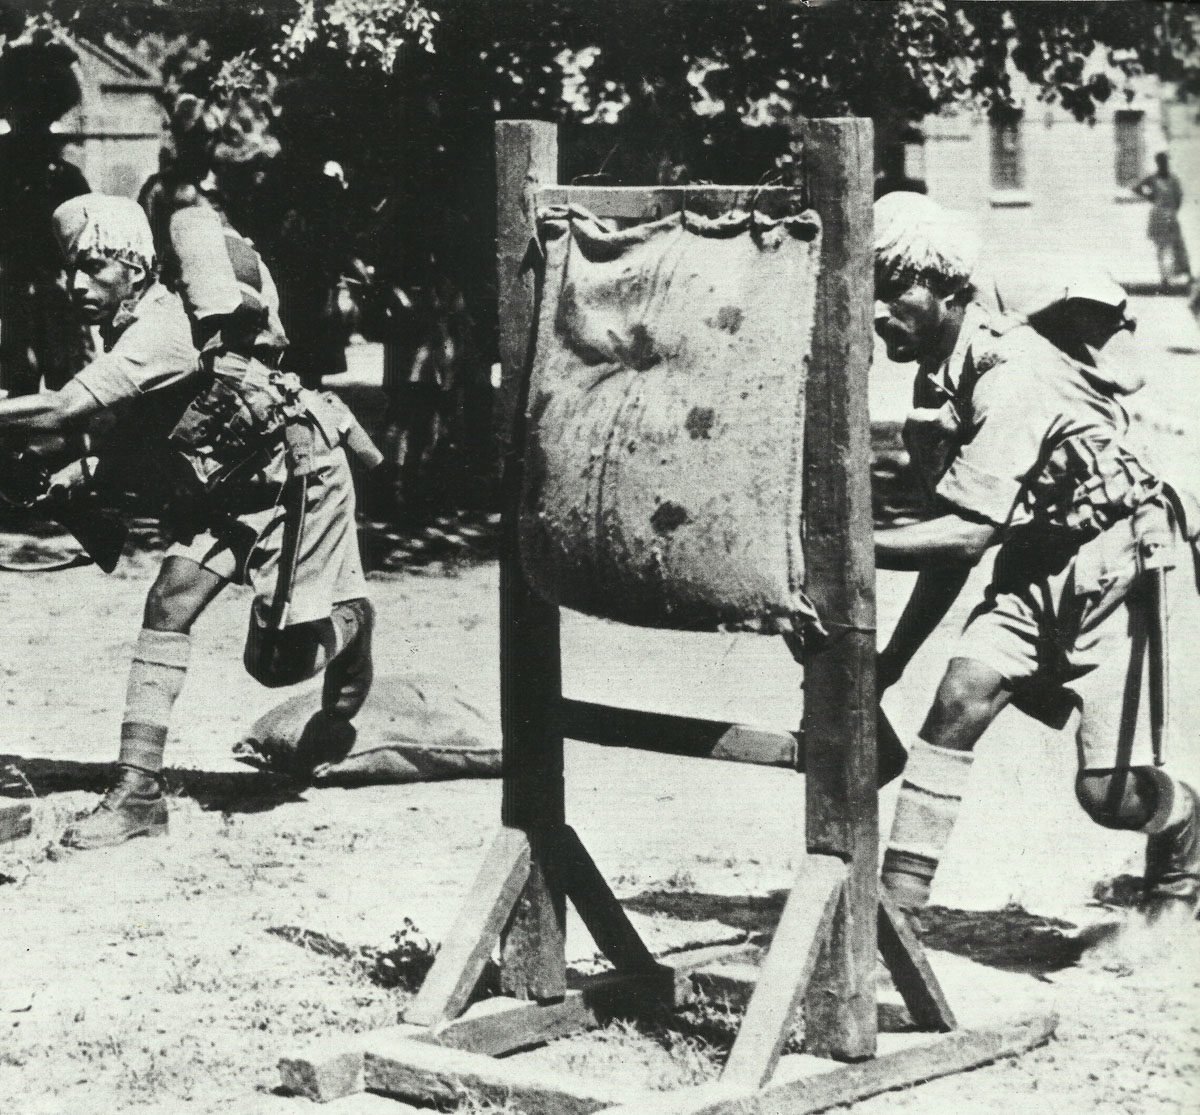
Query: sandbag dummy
pixel 665 420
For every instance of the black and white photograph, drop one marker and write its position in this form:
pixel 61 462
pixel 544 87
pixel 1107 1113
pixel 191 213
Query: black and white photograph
pixel 599 556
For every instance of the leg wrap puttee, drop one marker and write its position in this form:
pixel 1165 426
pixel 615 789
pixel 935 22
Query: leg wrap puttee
pixel 930 797
pixel 160 663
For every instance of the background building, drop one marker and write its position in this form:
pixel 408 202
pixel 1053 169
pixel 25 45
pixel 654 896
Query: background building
pixel 115 134
pixel 1048 190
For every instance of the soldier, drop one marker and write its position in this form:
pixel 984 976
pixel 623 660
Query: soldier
pixel 250 469
pixel 1027 448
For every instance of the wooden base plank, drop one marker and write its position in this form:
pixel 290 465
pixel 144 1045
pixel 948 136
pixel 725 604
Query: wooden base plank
pixel 15 821
pixel 845 1084
pixel 911 973
pixel 326 1070
pixel 427 1073
pixel 793 955
pixel 503 1025
pixel 465 952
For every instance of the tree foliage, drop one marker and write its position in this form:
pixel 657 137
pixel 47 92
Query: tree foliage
pixel 852 56
pixel 402 92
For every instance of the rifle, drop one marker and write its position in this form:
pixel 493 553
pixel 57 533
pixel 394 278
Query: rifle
pixel 25 486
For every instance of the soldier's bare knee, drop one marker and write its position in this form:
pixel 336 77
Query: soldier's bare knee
pixel 1115 799
pixel 168 604
pixel 181 591
pixel 968 692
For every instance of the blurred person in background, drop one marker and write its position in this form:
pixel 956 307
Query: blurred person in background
pixel 1165 194
pixel 40 339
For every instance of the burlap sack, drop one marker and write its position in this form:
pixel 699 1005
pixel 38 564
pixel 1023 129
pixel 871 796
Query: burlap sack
pixel 412 729
pixel 665 420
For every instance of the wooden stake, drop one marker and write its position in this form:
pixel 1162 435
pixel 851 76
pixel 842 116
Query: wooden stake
pixel 533 948
pixel 839 678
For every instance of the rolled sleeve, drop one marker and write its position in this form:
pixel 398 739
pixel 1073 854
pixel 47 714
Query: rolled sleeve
pixel 1012 414
pixel 154 352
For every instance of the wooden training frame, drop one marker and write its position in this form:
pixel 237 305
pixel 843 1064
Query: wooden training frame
pixel 823 954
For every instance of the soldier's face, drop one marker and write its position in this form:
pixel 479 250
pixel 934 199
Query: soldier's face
pixel 99 285
pixel 910 322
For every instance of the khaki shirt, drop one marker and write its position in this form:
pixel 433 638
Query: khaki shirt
pixel 148 348
pixel 1012 397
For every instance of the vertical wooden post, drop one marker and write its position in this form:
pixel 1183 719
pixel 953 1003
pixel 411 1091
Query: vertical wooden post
pixel 532 950
pixel 839 678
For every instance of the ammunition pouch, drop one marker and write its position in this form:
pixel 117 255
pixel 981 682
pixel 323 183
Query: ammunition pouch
pixel 233 426
pixel 1089 482
pixel 247 411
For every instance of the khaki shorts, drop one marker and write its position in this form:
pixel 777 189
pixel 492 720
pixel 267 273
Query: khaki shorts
pixel 246 549
pixel 1063 636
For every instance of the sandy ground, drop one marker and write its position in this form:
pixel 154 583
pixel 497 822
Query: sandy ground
pixel 169 975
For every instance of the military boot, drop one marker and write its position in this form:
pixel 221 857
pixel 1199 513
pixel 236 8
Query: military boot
pixel 348 677
pixel 133 807
pixel 1172 880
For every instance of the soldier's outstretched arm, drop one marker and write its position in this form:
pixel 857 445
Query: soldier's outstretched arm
pixel 935 591
pixel 946 540
pixel 46 412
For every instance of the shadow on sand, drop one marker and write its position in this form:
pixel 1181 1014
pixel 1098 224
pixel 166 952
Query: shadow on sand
pixel 219 791
pixel 1011 939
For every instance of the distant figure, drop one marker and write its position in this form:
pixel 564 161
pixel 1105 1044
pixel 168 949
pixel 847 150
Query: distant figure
pixel 1165 194
pixel 40 338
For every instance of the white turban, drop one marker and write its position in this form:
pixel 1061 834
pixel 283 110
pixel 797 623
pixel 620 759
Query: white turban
pixel 112 227
pixel 916 240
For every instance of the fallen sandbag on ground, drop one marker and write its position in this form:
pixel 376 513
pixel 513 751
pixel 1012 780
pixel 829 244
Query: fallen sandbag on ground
pixel 412 729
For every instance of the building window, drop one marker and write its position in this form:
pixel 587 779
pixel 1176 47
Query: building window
pixel 1130 137
pixel 1008 155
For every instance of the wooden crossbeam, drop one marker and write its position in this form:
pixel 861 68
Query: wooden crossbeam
pixel 798 941
pixel 501 1025
pixel 461 960
pixel 678 735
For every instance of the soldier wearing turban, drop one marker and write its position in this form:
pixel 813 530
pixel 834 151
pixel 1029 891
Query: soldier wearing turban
pixel 1026 447
pixel 203 432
